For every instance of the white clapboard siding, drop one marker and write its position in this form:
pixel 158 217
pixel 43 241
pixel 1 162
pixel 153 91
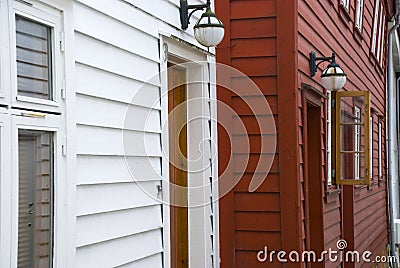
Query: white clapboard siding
pixel 94 199
pixel 94 52
pixel 104 169
pixel 153 261
pixel 116 224
pixel 113 114
pixel 96 82
pixel 117 252
pixel 112 31
pixel 93 140
pixel 124 12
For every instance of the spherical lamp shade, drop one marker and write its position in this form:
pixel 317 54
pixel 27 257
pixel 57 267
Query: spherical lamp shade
pixel 209 30
pixel 333 77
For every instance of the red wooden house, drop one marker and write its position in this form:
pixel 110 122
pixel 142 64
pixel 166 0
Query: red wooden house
pixel 299 206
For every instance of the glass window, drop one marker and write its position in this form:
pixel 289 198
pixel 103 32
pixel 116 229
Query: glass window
pixel 375 28
pixel 371 137
pixel 35 199
pixel 380 150
pixel 359 14
pixel 34 58
pixel 345 3
pixel 352 137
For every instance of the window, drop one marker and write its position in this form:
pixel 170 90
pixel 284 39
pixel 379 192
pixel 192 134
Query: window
pixel 345 4
pixel 359 14
pixel 352 138
pixel 37 56
pixel 380 150
pixel 378 32
pixel 35 199
pixel 34 58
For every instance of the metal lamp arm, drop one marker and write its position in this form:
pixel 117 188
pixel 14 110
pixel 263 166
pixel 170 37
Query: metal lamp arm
pixel 314 59
pixel 184 11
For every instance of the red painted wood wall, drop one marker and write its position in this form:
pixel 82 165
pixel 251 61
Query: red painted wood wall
pixel 270 41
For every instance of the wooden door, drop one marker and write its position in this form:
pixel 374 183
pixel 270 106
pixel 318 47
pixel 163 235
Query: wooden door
pixel 177 119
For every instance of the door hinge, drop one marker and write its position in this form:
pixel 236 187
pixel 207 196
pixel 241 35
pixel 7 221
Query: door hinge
pixel 165 48
pixel 333 173
pixel 64 146
pixel 63 89
pixel 62 42
pixel 333 103
pixel 159 191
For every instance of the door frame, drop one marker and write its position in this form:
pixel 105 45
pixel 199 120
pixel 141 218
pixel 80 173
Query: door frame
pixel 202 62
pixel 43 122
pixel 312 99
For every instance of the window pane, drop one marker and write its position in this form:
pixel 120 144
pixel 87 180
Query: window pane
pixel 35 205
pixel 34 68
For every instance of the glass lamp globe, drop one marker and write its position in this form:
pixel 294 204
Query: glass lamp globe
pixel 209 30
pixel 333 77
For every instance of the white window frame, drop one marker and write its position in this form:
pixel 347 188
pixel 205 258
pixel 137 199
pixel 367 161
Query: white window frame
pixel 329 139
pixel 371 148
pixel 382 41
pixel 380 150
pixel 43 122
pixel 5 187
pixel 375 27
pixel 52 18
pixel 359 14
pixel 346 4
pixel 357 137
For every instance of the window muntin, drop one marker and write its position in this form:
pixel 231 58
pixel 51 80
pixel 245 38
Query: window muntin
pixel 378 33
pixel 347 150
pixel 359 14
pixel 34 58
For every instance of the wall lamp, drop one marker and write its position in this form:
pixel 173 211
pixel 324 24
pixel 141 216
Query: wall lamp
pixel 209 30
pixel 333 77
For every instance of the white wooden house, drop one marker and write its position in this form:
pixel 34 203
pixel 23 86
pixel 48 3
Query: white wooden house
pixel 85 136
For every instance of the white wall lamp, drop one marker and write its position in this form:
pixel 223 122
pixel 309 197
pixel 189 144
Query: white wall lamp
pixel 333 77
pixel 209 30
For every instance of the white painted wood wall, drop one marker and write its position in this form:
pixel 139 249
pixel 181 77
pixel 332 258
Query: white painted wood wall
pixel 116 48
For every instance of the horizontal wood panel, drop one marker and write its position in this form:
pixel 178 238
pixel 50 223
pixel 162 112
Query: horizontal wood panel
pixel 155 261
pixel 252 9
pixel 259 124
pixel 117 142
pixel 255 105
pixel 248 202
pixel 243 86
pixel 129 249
pixel 106 226
pixel 249 259
pixel 250 28
pixel 245 240
pixel 260 47
pixel 117 115
pixel 270 182
pixel 255 163
pixel 94 199
pixel 260 221
pixel 254 144
pixel 117 61
pixel 259 66
pixel 114 32
pixel 96 82
pixel 105 169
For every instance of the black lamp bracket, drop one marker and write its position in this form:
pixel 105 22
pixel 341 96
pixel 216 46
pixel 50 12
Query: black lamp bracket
pixel 314 59
pixel 184 11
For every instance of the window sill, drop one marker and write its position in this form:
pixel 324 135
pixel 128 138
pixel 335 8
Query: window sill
pixel 37 101
pixel 331 195
pixel 358 35
pixel 345 16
